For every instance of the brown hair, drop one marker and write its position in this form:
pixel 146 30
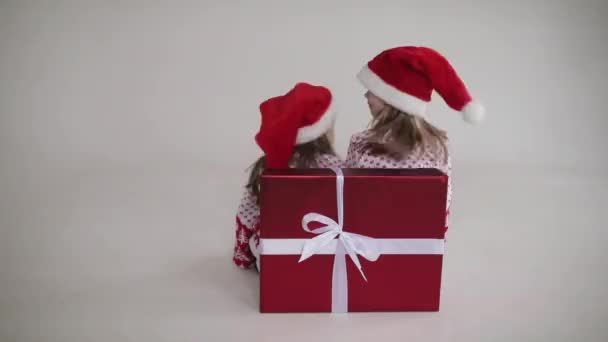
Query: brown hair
pixel 397 134
pixel 304 156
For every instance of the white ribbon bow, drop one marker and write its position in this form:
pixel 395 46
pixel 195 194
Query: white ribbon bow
pixel 354 244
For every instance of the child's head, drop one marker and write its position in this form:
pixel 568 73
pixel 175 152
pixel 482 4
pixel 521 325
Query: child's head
pixel 296 128
pixel 304 156
pixel 400 82
pixel 405 78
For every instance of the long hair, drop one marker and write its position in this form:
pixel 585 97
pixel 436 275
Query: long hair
pixel 399 134
pixel 304 156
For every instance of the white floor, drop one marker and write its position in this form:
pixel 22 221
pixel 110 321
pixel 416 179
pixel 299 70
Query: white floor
pixel 143 254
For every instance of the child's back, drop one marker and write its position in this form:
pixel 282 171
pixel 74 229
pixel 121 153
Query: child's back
pixel 400 82
pixel 296 132
pixel 377 147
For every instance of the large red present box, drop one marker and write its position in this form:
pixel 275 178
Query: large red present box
pixel 394 213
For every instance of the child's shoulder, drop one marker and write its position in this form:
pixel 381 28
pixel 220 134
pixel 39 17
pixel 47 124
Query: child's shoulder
pixel 329 160
pixel 360 137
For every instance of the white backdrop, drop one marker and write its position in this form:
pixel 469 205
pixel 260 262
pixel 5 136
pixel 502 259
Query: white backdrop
pixel 87 83
pixel 126 126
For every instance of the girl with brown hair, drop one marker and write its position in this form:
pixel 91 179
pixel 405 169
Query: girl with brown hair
pixel 296 132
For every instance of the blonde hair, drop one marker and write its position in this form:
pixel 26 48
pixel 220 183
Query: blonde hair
pixel 399 134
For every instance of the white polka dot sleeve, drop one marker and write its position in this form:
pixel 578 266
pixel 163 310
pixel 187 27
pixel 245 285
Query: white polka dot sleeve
pixel 353 154
pixel 329 161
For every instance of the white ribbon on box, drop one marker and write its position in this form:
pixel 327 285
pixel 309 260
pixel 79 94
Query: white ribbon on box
pixel 332 239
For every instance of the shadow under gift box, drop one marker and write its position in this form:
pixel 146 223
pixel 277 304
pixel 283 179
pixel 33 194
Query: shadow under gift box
pixel 379 203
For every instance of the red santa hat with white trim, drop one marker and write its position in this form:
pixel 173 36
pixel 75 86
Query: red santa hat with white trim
pixel 302 115
pixel 405 78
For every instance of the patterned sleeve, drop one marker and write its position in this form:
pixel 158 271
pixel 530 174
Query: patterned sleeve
pixel 329 161
pixel 247 226
pixel 352 156
pixel 449 201
pixel 440 162
pixel 449 173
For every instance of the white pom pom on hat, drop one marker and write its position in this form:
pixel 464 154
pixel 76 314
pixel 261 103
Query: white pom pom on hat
pixel 473 112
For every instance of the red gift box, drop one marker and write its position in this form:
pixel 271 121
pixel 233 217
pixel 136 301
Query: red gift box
pixel 395 218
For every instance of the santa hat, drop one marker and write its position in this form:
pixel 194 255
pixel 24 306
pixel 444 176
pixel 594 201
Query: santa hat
pixel 405 78
pixel 298 117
